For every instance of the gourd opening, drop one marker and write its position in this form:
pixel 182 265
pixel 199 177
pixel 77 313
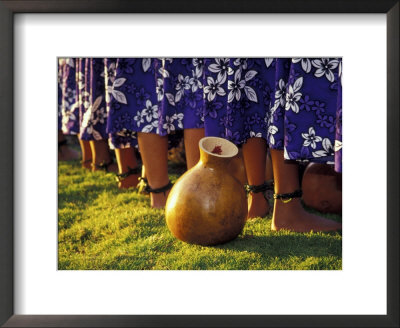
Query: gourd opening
pixel 218 147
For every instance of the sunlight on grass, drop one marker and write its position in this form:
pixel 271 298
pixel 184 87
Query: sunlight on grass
pixel 101 227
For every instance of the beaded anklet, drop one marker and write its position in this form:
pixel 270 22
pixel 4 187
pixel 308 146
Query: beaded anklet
pixel 267 185
pixel 131 171
pixel 267 188
pixel 163 189
pixel 103 166
pixel 286 198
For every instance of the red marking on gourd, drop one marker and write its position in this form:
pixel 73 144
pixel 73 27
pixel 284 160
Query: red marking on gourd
pixel 217 150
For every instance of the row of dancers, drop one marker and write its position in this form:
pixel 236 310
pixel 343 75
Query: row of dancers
pixel 290 107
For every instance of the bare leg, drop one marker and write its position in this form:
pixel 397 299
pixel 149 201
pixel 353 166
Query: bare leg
pixel 86 154
pixel 154 151
pixel 269 175
pixel 291 215
pixel 101 155
pixel 192 138
pixel 126 160
pixel 254 155
pixel 65 153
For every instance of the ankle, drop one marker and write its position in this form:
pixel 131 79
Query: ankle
pixel 156 184
pixel 129 178
pixel 131 181
pixel 102 160
pixel 293 205
pixel 159 195
pixel 87 163
pixel 256 198
pixel 158 200
pixel 258 206
pixel 109 166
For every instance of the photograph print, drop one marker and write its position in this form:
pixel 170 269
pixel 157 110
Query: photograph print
pixel 199 163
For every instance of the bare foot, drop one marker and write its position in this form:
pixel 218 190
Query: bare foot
pixel 292 216
pixel 66 153
pixel 87 164
pixel 159 200
pixel 130 181
pixel 257 205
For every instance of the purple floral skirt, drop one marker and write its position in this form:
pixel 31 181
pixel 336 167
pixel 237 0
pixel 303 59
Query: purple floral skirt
pixel 293 103
pixel 92 98
pixel 68 110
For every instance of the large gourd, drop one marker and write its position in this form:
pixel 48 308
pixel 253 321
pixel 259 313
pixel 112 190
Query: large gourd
pixel 207 205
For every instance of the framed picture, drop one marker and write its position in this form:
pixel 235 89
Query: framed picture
pixel 29 297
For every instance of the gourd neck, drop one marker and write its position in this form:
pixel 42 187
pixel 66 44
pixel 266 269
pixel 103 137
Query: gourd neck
pixel 216 152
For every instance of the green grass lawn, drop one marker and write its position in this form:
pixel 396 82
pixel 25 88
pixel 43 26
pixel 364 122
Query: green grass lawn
pixel 103 228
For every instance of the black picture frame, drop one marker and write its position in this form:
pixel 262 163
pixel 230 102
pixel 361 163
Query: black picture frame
pixel 10 7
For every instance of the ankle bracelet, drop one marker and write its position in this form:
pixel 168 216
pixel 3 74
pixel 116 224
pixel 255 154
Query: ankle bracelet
pixel 87 161
pixel 286 198
pixel 163 189
pixel 131 171
pixel 103 166
pixel 267 185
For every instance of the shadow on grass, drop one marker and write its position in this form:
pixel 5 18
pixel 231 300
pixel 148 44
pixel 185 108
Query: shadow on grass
pixel 93 185
pixel 285 246
pixel 84 195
